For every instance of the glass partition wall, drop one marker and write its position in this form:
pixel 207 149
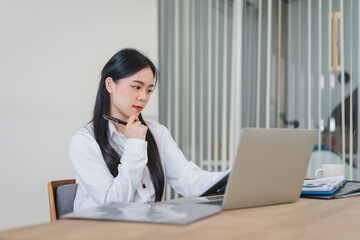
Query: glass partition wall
pixel 225 65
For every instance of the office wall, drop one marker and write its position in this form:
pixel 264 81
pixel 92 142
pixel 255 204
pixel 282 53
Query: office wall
pixel 51 55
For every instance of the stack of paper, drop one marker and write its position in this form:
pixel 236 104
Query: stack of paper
pixel 322 185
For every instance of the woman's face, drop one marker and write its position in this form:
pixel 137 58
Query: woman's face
pixel 129 95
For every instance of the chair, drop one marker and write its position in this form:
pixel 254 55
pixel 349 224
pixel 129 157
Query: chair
pixel 61 197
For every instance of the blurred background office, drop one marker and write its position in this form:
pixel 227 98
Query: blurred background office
pixel 224 65
pixel 255 63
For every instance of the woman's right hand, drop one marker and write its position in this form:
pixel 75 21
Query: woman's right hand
pixel 134 128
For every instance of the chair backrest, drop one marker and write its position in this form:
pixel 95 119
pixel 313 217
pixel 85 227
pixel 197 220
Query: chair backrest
pixel 61 197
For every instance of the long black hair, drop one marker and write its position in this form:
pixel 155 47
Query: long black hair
pixel 124 64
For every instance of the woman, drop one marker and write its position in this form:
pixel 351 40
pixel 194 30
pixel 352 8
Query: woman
pixel 129 163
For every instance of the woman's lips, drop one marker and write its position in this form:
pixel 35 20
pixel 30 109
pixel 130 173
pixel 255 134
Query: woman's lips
pixel 138 108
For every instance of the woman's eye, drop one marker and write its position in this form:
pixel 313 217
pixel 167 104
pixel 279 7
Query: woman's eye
pixel 150 91
pixel 137 87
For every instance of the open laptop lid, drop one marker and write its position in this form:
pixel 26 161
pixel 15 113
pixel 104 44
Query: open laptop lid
pixel 269 168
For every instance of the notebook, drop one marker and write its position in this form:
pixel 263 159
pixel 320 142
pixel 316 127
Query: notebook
pixel 269 168
pixel 324 186
pixel 348 189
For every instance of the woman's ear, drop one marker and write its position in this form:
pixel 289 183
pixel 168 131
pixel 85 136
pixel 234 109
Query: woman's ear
pixel 109 84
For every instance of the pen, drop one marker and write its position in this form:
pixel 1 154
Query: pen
pixel 106 117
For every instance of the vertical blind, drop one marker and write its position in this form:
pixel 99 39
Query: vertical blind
pixel 229 64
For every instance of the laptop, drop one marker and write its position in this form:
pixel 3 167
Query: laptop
pixel 269 168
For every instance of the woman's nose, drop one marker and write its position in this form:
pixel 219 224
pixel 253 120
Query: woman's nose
pixel 142 95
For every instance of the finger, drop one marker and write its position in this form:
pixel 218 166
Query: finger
pixel 144 128
pixel 138 123
pixel 133 119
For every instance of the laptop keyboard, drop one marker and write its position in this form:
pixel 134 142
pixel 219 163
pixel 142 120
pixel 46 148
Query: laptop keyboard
pixel 213 200
pixel 218 203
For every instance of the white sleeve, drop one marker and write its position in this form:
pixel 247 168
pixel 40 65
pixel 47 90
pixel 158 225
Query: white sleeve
pixel 183 175
pixel 95 176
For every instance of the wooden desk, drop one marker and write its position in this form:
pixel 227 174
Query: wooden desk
pixel 305 219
